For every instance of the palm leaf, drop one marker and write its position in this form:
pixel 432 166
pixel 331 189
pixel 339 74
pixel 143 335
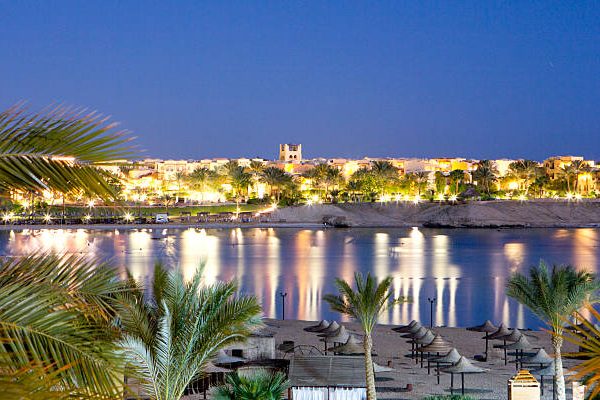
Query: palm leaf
pixel 56 149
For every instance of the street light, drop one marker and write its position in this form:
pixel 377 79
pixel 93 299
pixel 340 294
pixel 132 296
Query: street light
pixel 283 296
pixel 431 301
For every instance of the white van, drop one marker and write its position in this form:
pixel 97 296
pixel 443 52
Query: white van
pixel 161 218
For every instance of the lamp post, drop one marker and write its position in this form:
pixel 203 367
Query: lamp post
pixel 283 296
pixel 431 300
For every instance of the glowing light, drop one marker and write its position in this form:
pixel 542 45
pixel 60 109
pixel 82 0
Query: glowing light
pixel 384 198
pixel 7 217
pixel 569 196
pixel 87 217
pixel 47 217
pixel 441 197
pixel 453 198
pixel 522 197
pixel 578 196
pixel 397 198
pixel 406 197
pixel 128 217
pixel 309 202
pixel 513 185
pixel 417 199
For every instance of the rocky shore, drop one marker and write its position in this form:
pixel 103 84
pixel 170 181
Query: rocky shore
pixel 475 214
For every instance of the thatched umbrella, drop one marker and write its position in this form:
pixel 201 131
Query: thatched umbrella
pixel 352 347
pixel 487 327
pixel 519 347
pixel 451 358
pixel 211 371
pixel 438 345
pixel 324 324
pixel 462 367
pixel 412 336
pixel 334 326
pixel 501 334
pixel 339 336
pixel 424 341
pixel 514 336
pixel 407 328
pixel 540 357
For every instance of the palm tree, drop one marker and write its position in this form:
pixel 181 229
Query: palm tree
pixel 440 182
pixel 485 174
pixel 585 336
pixel 579 166
pixel 56 150
pixel 275 178
pixel 201 179
pixel 457 178
pixel 553 295
pixel 55 328
pixel 259 386
pixel 180 178
pixel 169 339
pixel 365 304
pixel 239 180
pixel 421 179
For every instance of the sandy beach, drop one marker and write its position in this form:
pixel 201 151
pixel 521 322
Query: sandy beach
pixel 392 350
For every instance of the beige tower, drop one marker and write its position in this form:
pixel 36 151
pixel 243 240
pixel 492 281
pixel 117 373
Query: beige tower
pixel 290 152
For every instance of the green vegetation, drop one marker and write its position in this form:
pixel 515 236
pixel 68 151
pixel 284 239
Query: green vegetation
pixel 365 305
pixel 554 295
pixel 259 386
pixel 169 339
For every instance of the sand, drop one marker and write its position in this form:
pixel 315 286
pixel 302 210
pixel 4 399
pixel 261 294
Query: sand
pixel 391 349
pixel 476 214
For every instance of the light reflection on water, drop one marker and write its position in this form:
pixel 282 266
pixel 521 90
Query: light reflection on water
pixel 466 270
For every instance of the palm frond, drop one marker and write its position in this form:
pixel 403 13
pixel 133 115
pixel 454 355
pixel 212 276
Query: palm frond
pixel 55 150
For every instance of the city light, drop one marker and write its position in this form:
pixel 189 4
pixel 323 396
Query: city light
pixel 47 218
pixel 453 198
pixel 91 203
pixel 569 196
pixel 128 217
pixel 87 217
pixel 7 217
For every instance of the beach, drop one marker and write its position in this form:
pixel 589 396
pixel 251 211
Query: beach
pixel 391 350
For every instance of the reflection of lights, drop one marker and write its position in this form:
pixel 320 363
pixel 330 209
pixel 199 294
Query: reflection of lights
pixel 453 198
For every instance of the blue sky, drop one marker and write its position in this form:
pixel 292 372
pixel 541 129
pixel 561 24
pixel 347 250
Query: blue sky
pixel 205 79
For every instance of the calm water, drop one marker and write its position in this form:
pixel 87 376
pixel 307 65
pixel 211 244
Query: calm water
pixel 466 270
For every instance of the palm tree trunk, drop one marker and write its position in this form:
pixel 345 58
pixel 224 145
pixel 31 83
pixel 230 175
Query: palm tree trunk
pixel 370 375
pixel 557 342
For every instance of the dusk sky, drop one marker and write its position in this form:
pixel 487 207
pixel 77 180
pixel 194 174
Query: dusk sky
pixel 200 79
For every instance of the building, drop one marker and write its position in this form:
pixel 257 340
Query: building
pixel 290 152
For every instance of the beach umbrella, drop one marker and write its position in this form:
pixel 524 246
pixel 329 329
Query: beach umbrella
pixel 423 341
pixel 223 358
pixel 540 357
pixel 353 346
pixel 451 358
pixel 415 333
pixel 334 326
pixel 324 324
pixel 339 336
pixel 407 328
pixel 412 336
pixel 519 346
pixel 438 345
pixel 514 336
pixel 548 371
pixel 462 367
pixel 487 327
pixel 501 334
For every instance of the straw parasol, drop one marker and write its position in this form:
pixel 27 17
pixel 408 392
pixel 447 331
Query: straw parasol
pixel 415 333
pixel 540 357
pixel 353 346
pixel 324 324
pixel 519 346
pixel 438 345
pixel 451 358
pixel 407 328
pixel 487 327
pixel 462 367
pixel 223 358
pixel 424 341
pixel 339 336
pixel 501 334
pixel 514 336
pixel 334 326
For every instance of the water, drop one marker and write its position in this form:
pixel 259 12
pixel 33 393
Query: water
pixel 464 269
